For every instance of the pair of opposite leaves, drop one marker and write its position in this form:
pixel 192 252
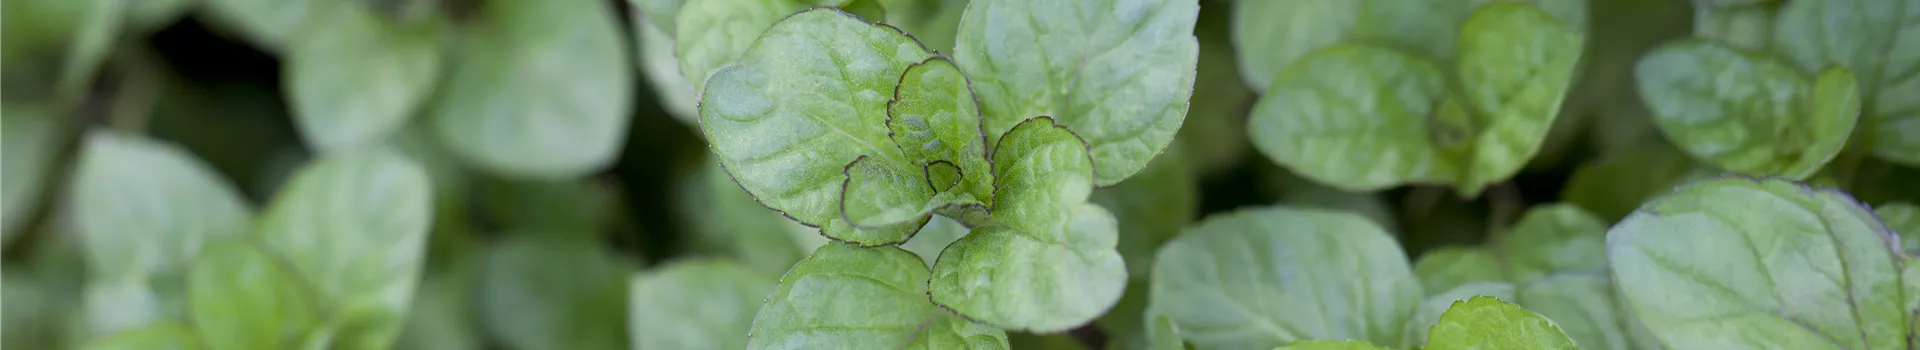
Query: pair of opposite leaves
pixel 1744 102
pixel 177 258
pixel 1356 95
pixel 856 128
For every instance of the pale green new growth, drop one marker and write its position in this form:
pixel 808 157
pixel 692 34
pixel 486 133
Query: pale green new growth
pixel 1488 323
pixel 1265 278
pixel 541 90
pixel 1761 263
pixel 1434 305
pixel 1747 113
pixel 241 297
pixel 1118 72
pixel 846 297
pixel 1048 264
pixel 694 305
pixel 354 76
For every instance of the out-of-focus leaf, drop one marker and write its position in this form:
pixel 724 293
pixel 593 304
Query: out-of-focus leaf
pixel 30 141
pixel 158 336
pixel 240 297
pixel 1305 193
pixel 709 34
pixel 553 292
pixel 1272 35
pixel 1747 113
pixel 658 14
pixel 725 219
pixel 1263 278
pixel 355 77
pixel 583 207
pixel 933 22
pixel 442 316
pixel 695 305
pixel 846 297
pixel 1120 74
pixel 541 90
pixel 1516 63
pixel 152 15
pixel 1747 26
pixel 1446 268
pixel 662 70
pixel 1331 345
pixel 1152 207
pixel 269 24
pixel 1551 239
pixel 1583 305
pixel 1488 323
pixel 1374 103
pixel 1876 40
pixel 1616 183
pixel 1214 139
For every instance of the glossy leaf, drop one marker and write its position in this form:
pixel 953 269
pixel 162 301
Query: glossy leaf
pixel 1435 305
pixel 1904 219
pixel 355 77
pixel 1488 323
pixel 1263 278
pixel 693 305
pixel 862 298
pixel 148 205
pixel 1747 113
pixel 1766 263
pixel 1050 265
pixel 541 90
pixel 31 139
pixel 710 34
pixel 553 292
pixel 1120 74
pixel 241 297
pixel 1515 65
pixel 1272 35
pixel 802 106
pixel 1878 41
pixel 1372 103
pixel 354 226
pixel 1446 268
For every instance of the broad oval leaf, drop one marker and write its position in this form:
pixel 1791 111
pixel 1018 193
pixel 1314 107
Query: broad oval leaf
pixel 1049 264
pixel 354 226
pixel 1515 65
pixel 1272 35
pixel 803 104
pixel 1371 103
pixel 710 34
pixel 1120 73
pixel 148 206
pixel 241 297
pixel 1760 263
pixel 31 140
pixel 1488 323
pixel 543 291
pixel 694 305
pixel 1876 39
pixel 1747 113
pixel 849 297
pixel 1263 278
pixel 542 90
pixel 354 76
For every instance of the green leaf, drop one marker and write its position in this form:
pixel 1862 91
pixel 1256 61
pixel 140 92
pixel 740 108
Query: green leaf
pixel 1433 306
pixel 158 336
pixel 862 298
pixel 1262 278
pixel 241 297
pixel 1272 35
pixel 1515 65
pixel 1448 267
pixel 443 313
pixel 1119 73
pixel 1553 238
pixel 1152 208
pixel 710 34
pixel 1050 265
pixel 268 24
pixel 1583 305
pixel 1747 26
pixel 935 120
pixel 1760 263
pixel 792 119
pixel 553 292
pixel 355 77
pixel 148 205
pixel 1879 41
pixel 1371 102
pixel 354 226
pixel 1432 27
pixel 662 70
pixel 1904 219
pixel 541 90
pixel 31 140
pixel 1301 192
pixel 1488 323
pixel 1165 336
pixel 151 15
pixel 724 219
pixel 1744 112
pixel 694 305
pixel 1331 345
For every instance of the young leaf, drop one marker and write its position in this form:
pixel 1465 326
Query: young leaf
pixel 268 24
pixel 353 77
pixel 1904 219
pixel 713 33
pixel 1877 40
pixel 1272 35
pixel 553 292
pixel 241 297
pixel 541 90
pixel 1760 263
pixel 1263 278
pixel 693 305
pixel 354 226
pixel 934 117
pixel 1747 113
pixel 1445 268
pixel 1433 306
pixel 1119 73
pixel 792 120
pixel 847 297
pixel 148 205
pixel 1050 264
pixel 1553 238
pixel 1516 63
pixel 1583 305
pixel 1371 102
pixel 1488 323
pixel 31 140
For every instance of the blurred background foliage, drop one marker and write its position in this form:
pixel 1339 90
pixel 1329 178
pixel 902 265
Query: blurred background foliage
pixel 576 205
